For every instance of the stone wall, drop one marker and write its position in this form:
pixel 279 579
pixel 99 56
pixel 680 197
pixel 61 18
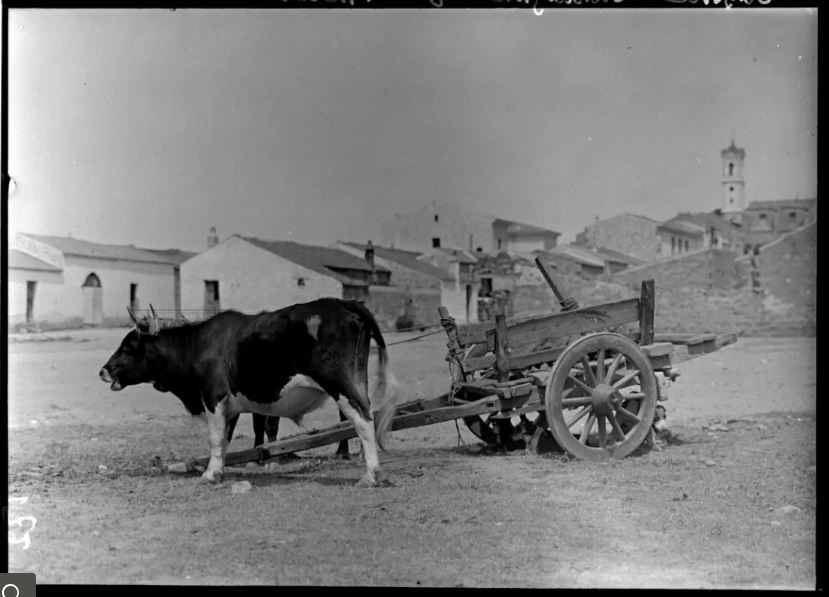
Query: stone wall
pixel 390 304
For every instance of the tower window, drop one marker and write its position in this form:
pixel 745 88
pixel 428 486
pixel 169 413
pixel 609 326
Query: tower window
pixel 731 189
pixel 731 169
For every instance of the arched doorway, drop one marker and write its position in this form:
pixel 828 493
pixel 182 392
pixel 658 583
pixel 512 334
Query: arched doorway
pixel 93 300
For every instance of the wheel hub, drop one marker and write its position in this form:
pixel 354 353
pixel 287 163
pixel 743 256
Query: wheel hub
pixel 603 399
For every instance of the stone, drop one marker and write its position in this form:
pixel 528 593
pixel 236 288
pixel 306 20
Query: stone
pixel 787 509
pixel 710 462
pixel 241 487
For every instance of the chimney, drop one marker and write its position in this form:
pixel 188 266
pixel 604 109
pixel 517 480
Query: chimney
pixel 212 237
pixel 370 258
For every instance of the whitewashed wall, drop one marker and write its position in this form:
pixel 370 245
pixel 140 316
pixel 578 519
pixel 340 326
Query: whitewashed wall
pixel 251 279
pixel 60 298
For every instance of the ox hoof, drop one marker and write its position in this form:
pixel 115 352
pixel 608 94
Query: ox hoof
pixel 366 481
pixel 213 477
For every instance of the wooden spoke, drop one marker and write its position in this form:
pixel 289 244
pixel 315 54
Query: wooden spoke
pixel 614 364
pixel 626 378
pixel 628 415
pixel 573 402
pixel 600 366
pixel 631 396
pixel 620 434
pixel 580 384
pixel 579 416
pixel 588 372
pixel 587 427
pixel 602 433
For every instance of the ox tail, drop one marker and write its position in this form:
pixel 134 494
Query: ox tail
pixel 386 391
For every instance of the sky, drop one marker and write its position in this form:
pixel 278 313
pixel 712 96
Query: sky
pixel 148 127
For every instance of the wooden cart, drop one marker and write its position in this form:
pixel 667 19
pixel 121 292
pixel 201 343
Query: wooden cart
pixel 583 380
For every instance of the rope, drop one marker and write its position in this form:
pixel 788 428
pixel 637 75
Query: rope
pixel 415 338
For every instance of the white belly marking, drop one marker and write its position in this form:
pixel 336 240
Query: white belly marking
pixel 300 396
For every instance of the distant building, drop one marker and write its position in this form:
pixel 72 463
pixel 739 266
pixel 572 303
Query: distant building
pixel 442 225
pixel 629 234
pixel 71 282
pixel 252 275
pixel 463 300
pixel 733 182
pixel 765 221
pixel 679 236
pixel 424 287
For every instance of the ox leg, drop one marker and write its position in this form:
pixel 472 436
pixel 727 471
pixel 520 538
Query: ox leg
pixel 271 428
pixel 365 431
pixel 217 436
pixel 342 447
pixel 231 426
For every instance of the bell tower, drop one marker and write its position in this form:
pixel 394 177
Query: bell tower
pixel 733 183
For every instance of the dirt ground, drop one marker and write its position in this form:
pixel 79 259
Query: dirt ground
pixel 730 502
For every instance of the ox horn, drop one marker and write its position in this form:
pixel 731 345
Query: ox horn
pixel 154 323
pixel 132 315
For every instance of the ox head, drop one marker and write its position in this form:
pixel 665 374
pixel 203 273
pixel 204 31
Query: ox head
pixel 130 365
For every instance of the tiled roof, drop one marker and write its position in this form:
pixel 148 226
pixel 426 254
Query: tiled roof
pixel 83 248
pixel 174 256
pixel 323 260
pixel 407 259
pixel 618 257
pixel 782 204
pixel 520 229
pixel 460 255
pixel 21 260
pixel 683 226
pixel 580 254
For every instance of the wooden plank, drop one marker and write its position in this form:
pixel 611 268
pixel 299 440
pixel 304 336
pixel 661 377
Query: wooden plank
pixel 516 361
pixel 658 349
pixel 566 323
pixel 501 360
pixel 647 308
pixel 548 276
pixel 679 338
pixel 505 392
pixel 345 430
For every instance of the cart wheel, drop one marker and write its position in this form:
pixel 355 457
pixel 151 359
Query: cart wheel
pixel 601 397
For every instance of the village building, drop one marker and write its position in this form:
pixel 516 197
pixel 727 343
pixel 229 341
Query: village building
pixel 629 234
pixel 66 282
pixel 443 225
pixel 428 287
pixel 462 299
pixel 765 221
pixel 251 275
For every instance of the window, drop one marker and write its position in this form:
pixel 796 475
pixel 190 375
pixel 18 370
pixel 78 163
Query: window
pixel 133 296
pixel 686 246
pixel 435 243
pixel 499 244
pixel 673 245
pixel 731 170
pixel 792 215
pixel 436 217
pixel 731 189
pixel 300 282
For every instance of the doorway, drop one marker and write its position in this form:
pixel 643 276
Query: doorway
pixel 31 286
pixel 93 300
pixel 211 297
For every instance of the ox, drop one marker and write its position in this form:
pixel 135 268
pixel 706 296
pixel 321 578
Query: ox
pixel 282 363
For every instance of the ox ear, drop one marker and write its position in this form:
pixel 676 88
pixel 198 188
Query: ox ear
pixel 154 323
